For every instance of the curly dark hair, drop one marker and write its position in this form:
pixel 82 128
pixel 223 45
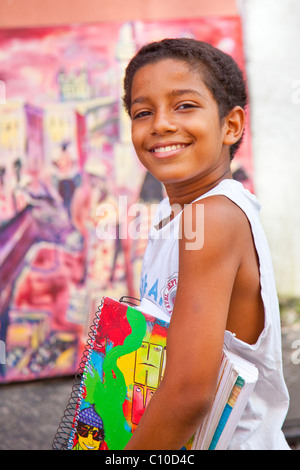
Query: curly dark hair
pixel 220 72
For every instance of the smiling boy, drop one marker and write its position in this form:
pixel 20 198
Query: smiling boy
pixel 187 103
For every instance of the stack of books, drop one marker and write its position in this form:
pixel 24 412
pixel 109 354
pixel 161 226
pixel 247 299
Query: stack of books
pixel 122 366
pixel 237 379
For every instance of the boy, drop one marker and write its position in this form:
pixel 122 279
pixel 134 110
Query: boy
pixel 187 103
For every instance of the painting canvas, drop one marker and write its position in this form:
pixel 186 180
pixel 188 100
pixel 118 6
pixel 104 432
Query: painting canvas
pixel 72 192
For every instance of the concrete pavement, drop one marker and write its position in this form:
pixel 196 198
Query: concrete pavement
pixel 30 412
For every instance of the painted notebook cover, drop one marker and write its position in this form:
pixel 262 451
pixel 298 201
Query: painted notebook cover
pixel 122 368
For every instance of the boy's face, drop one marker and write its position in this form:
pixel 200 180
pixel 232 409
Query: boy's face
pixel 176 129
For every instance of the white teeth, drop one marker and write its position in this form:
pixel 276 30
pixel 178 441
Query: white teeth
pixel 169 148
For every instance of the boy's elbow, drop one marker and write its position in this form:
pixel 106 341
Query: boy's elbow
pixel 195 407
pixel 192 402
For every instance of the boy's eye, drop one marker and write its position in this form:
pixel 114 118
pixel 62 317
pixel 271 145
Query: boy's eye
pixel 141 114
pixel 186 106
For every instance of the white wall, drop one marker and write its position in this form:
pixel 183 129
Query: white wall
pixel 272 47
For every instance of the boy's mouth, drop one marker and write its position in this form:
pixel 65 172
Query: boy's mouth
pixel 167 149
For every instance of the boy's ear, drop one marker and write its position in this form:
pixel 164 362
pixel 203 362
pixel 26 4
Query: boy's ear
pixel 234 125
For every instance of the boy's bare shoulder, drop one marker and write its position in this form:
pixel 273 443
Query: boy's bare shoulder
pixel 224 224
pixel 220 205
pixel 218 211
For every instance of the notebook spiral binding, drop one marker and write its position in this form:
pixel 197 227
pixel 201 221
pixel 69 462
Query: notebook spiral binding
pixel 133 301
pixel 65 432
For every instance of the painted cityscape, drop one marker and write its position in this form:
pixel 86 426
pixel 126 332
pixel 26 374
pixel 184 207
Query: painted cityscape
pixel 65 157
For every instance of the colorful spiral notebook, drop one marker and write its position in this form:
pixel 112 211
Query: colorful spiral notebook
pixel 122 366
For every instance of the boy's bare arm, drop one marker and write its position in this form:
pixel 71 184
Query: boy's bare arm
pixel 196 332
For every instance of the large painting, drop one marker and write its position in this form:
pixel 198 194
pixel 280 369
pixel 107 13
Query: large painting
pixel 75 204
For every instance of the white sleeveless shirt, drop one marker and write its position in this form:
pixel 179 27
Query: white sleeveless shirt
pixel 261 422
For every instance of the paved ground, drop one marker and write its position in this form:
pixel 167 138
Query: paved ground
pixel 30 412
pixel 291 367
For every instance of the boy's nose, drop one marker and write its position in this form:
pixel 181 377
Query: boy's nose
pixel 163 122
